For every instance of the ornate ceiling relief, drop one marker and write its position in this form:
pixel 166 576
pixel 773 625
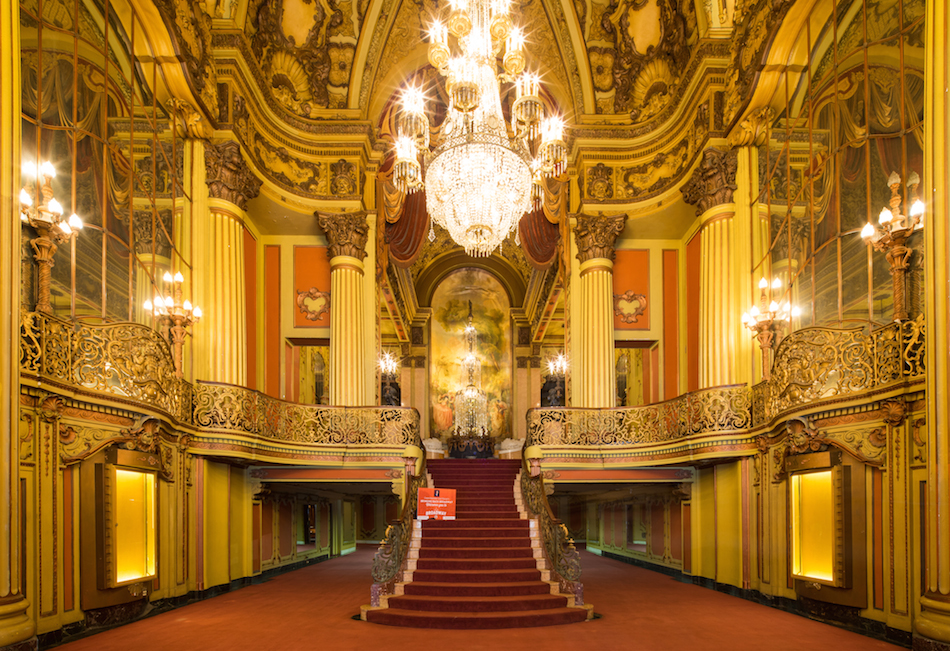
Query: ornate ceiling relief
pixel 191 26
pixel 305 50
pixel 638 52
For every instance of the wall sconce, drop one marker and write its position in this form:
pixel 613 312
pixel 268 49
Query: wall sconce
pixel 764 319
pixel 891 236
pixel 44 213
pixel 389 366
pixel 557 368
pixel 174 314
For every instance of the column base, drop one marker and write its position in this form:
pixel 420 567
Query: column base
pixel 933 626
pixel 31 644
pixel 17 630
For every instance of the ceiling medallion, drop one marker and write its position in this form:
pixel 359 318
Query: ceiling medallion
pixel 479 176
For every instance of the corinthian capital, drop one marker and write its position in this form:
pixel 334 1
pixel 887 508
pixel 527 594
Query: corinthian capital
pixel 228 176
pixel 713 182
pixel 595 235
pixel 346 232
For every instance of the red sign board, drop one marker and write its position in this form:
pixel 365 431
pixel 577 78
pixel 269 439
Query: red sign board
pixel 436 504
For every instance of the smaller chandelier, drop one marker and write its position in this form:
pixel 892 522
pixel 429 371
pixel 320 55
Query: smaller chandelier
pixel 480 177
pixel 44 213
pixel 174 314
pixel 765 319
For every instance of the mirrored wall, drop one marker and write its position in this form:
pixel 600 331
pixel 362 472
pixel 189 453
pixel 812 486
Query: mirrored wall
pixel 89 108
pixel 851 128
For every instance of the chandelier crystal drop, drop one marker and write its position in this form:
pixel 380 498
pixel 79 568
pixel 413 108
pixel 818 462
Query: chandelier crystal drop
pixel 479 177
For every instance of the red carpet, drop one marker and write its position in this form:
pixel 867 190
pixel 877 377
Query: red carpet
pixel 480 570
pixel 312 608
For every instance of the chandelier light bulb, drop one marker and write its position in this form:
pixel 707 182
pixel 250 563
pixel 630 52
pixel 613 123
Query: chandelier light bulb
pixel 169 302
pixel 47 169
pixel 28 171
pixel 167 277
pixel 55 207
pixel 763 284
pixel 25 198
pixel 147 305
pixel 776 283
pixel 868 231
pixel 75 222
pixel 796 311
pixel 917 208
pixel 178 277
pixel 196 313
pixel 754 312
pixel 773 307
pixel 186 306
pixel 885 217
pixel 64 226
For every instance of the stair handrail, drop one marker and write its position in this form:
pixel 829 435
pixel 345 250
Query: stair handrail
pixel 557 544
pixel 390 557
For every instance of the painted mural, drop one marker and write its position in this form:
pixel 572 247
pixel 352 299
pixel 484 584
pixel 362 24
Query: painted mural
pixel 490 316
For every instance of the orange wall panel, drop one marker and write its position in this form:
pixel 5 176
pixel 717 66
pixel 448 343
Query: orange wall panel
pixel 676 531
pixel 311 269
pixel 632 273
pixel 671 325
pixel 324 525
pixel 272 321
pixel 657 523
pixel 250 299
pixel 693 253
pixel 287 540
pixel 256 515
pixel 267 531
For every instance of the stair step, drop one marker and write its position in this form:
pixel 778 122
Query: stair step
pixel 503 523
pixel 476 552
pixel 456 542
pixel 487 589
pixel 476 576
pixel 520 619
pixel 478 532
pixel 506 603
pixel 475 564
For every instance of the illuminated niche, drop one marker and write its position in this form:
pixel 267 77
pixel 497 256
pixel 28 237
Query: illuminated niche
pixel 128 531
pixel 818 526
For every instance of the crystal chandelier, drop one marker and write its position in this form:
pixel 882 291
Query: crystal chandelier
pixel 480 177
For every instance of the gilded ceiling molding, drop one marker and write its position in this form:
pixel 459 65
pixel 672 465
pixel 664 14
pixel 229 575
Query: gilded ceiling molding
pixel 190 25
pixel 596 234
pixel 228 176
pixel 347 233
pixel 713 181
pixel 753 131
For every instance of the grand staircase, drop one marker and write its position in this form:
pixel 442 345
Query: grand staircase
pixel 483 570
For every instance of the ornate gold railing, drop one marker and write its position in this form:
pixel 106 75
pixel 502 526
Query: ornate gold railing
pixel 391 555
pixel 815 364
pixel 127 360
pixel 562 556
pixel 225 407
pixel 720 409
pixel 811 365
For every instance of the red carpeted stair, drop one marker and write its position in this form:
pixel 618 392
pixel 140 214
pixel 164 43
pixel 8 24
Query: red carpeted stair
pixel 482 570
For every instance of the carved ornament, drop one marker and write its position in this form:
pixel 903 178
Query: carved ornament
pixel 189 122
pixel 313 303
pixel 346 233
pixel 713 182
pixel 629 306
pixel 894 411
pixel 596 235
pixel 754 130
pixel 228 176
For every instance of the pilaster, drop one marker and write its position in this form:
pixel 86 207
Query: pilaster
pixel 16 626
pixel 594 384
pixel 934 621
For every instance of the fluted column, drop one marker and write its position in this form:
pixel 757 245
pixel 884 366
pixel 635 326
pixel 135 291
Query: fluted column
pixel 15 625
pixel 934 620
pixel 347 234
pixel 218 264
pixel 592 378
pixel 725 271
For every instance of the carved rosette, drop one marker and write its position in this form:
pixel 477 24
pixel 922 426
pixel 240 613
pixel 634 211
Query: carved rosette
pixel 713 182
pixel 228 176
pixel 347 233
pixel 595 235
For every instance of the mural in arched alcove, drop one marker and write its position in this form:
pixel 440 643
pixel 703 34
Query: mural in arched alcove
pixel 491 318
